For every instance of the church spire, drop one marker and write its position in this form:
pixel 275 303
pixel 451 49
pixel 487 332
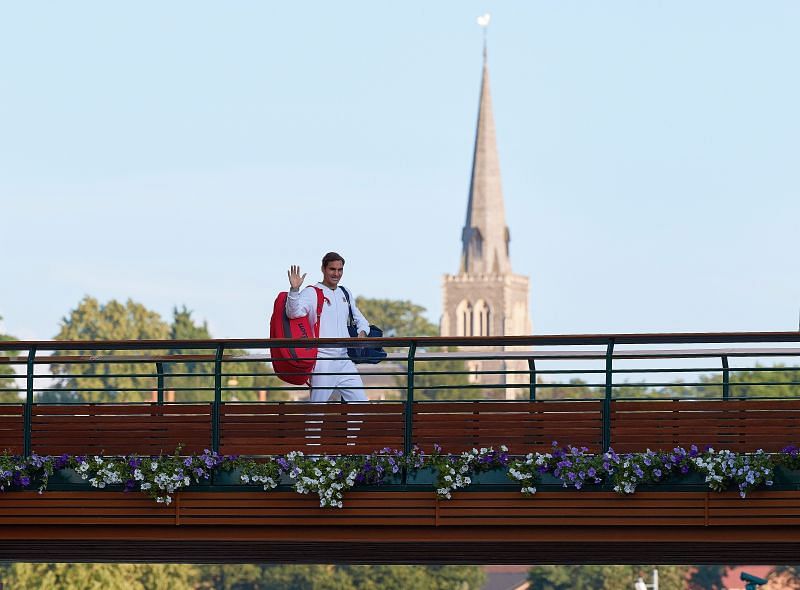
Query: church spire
pixel 485 236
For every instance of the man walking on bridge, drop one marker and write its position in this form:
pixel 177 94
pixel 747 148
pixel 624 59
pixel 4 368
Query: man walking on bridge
pixel 333 371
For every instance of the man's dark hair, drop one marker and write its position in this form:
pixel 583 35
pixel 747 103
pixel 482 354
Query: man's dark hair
pixel 331 257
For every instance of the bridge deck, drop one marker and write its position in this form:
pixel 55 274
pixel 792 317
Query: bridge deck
pixel 407 523
pixel 404 527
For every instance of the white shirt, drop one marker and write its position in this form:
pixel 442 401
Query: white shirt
pixel 335 314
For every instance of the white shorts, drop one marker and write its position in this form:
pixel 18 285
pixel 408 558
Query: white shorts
pixel 344 380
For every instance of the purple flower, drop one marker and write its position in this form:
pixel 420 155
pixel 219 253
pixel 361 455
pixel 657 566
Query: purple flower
pixel 61 462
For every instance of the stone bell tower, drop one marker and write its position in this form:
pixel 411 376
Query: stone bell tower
pixel 486 298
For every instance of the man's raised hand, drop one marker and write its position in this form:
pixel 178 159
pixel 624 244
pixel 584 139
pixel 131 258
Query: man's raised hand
pixel 295 279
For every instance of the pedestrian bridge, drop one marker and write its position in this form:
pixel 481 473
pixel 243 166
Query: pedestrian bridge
pixel 623 392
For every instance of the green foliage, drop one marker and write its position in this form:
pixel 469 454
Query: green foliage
pixel 575 388
pixel 109 576
pixel 449 381
pixel 330 577
pixel 186 381
pixel 5 371
pixel 775 381
pixel 602 577
pixel 196 380
pixel 397 317
pixel 241 379
pixel 91 320
pixel 747 383
pixel 707 577
pixel 402 577
pixel 112 576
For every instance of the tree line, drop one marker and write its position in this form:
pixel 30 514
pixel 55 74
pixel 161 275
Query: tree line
pixel 122 576
pixel 194 381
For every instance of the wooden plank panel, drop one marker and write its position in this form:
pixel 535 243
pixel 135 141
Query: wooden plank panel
pixel 11 428
pixel 708 405
pixel 112 409
pixel 740 425
pixel 304 408
pixel 120 429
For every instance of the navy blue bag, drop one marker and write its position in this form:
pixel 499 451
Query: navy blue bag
pixel 363 354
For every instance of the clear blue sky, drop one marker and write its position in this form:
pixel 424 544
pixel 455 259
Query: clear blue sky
pixel 189 152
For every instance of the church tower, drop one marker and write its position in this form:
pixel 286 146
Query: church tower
pixel 486 298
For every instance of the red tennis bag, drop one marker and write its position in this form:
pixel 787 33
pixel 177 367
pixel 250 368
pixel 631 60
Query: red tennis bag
pixel 293 364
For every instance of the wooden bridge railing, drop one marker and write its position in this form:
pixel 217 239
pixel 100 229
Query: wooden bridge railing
pixel 598 417
pixel 524 426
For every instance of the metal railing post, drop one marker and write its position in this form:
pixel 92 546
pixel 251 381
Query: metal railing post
pixel 216 406
pixel 608 393
pixel 160 383
pixel 726 378
pixel 409 409
pixel 27 417
pixel 532 377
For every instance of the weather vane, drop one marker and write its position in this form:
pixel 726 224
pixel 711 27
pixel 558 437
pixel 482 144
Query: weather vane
pixel 483 21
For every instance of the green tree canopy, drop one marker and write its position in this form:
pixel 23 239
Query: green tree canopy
pixel 7 382
pixel 114 576
pixel 184 381
pixel 603 577
pixel 707 577
pixel 397 317
pixel 404 318
pixel 91 320
pixel 242 380
pixel 109 576
pixel 346 577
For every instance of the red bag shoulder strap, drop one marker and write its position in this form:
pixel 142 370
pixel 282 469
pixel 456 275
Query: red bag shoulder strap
pixel 320 303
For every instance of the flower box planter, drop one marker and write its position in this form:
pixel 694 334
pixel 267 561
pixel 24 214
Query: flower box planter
pixel 65 477
pixel 421 477
pixel 692 481
pixel 68 479
pixel 786 479
pixel 228 478
pixel 493 477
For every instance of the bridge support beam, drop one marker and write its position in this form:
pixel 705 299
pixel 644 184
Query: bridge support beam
pixel 403 527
